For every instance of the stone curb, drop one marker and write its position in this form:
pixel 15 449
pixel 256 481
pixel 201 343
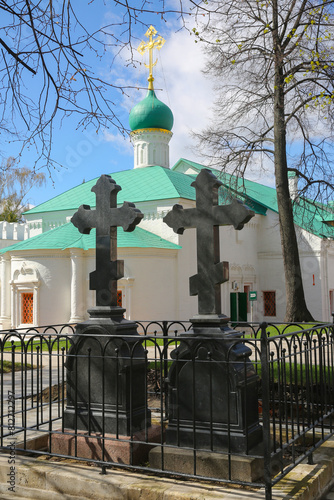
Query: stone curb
pixel 309 482
pixel 41 479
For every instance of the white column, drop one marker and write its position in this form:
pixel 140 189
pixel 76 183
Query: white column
pixel 77 286
pixel 326 313
pixel 5 319
pixel 126 284
pixel 128 297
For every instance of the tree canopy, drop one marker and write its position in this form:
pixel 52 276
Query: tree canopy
pixel 259 51
pixel 273 64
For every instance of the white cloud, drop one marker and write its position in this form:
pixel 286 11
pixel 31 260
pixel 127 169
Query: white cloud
pixel 189 93
pixel 118 141
pixel 180 84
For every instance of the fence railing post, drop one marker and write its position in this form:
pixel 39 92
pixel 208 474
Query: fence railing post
pixel 266 410
pixel 164 372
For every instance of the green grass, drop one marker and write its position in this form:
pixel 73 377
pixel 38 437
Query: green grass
pixel 7 367
pixel 34 346
pixel 155 365
pixel 44 345
pixel 160 342
pixel 296 373
pixel 284 329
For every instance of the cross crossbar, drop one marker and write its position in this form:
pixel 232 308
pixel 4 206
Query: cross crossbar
pixel 206 218
pixel 106 218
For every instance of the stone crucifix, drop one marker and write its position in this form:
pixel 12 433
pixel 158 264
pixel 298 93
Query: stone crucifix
pixel 106 218
pixel 206 218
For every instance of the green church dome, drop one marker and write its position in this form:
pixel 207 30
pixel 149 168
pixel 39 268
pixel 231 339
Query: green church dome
pixel 151 113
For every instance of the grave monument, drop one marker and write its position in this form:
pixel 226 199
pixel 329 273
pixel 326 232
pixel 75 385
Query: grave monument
pixel 212 383
pixel 106 371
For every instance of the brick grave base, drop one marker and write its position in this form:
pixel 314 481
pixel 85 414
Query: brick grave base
pixel 122 450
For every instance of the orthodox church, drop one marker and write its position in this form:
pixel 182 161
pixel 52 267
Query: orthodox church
pixel 45 263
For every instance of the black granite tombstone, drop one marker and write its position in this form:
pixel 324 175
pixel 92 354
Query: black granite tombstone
pixel 106 365
pixel 212 383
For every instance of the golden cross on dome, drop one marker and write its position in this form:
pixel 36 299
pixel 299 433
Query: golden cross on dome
pixel 153 43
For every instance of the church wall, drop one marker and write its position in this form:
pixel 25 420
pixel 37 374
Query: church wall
pixel 186 306
pixel 154 212
pixel 35 227
pixel 42 222
pixel 268 233
pixel 330 277
pixel 239 248
pixel 12 232
pixel 153 287
pixel 271 270
pixel 236 247
pixel 271 279
pixel 7 243
pixel 47 276
pixel 151 147
pixel 313 261
pixel 148 285
pixel 55 303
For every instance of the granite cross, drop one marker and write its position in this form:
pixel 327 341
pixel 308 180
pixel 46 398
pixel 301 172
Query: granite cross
pixel 105 219
pixel 206 218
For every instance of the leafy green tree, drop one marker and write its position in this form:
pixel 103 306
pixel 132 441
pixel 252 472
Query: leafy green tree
pixel 15 184
pixel 273 65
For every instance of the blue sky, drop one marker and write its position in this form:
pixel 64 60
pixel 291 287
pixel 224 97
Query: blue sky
pixel 179 83
pixel 84 154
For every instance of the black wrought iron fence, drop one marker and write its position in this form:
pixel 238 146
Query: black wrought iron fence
pixel 291 372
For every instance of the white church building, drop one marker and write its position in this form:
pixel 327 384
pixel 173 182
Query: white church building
pixel 45 263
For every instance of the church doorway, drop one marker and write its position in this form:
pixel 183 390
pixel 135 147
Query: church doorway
pixel 238 306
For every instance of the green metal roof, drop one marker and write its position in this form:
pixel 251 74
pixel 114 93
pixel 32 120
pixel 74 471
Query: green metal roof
pixel 151 113
pixel 138 185
pixel 158 183
pixel 307 214
pixel 68 236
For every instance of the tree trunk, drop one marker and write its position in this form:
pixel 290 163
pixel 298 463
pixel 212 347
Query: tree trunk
pixel 296 309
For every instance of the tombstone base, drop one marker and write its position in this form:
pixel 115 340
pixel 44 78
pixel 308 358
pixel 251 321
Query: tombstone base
pixel 123 450
pixel 107 320
pixel 106 375
pixel 235 441
pixel 111 422
pixel 212 325
pixel 212 388
pixel 208 464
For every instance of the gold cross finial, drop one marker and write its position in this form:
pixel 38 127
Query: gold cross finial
pixel 153 43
